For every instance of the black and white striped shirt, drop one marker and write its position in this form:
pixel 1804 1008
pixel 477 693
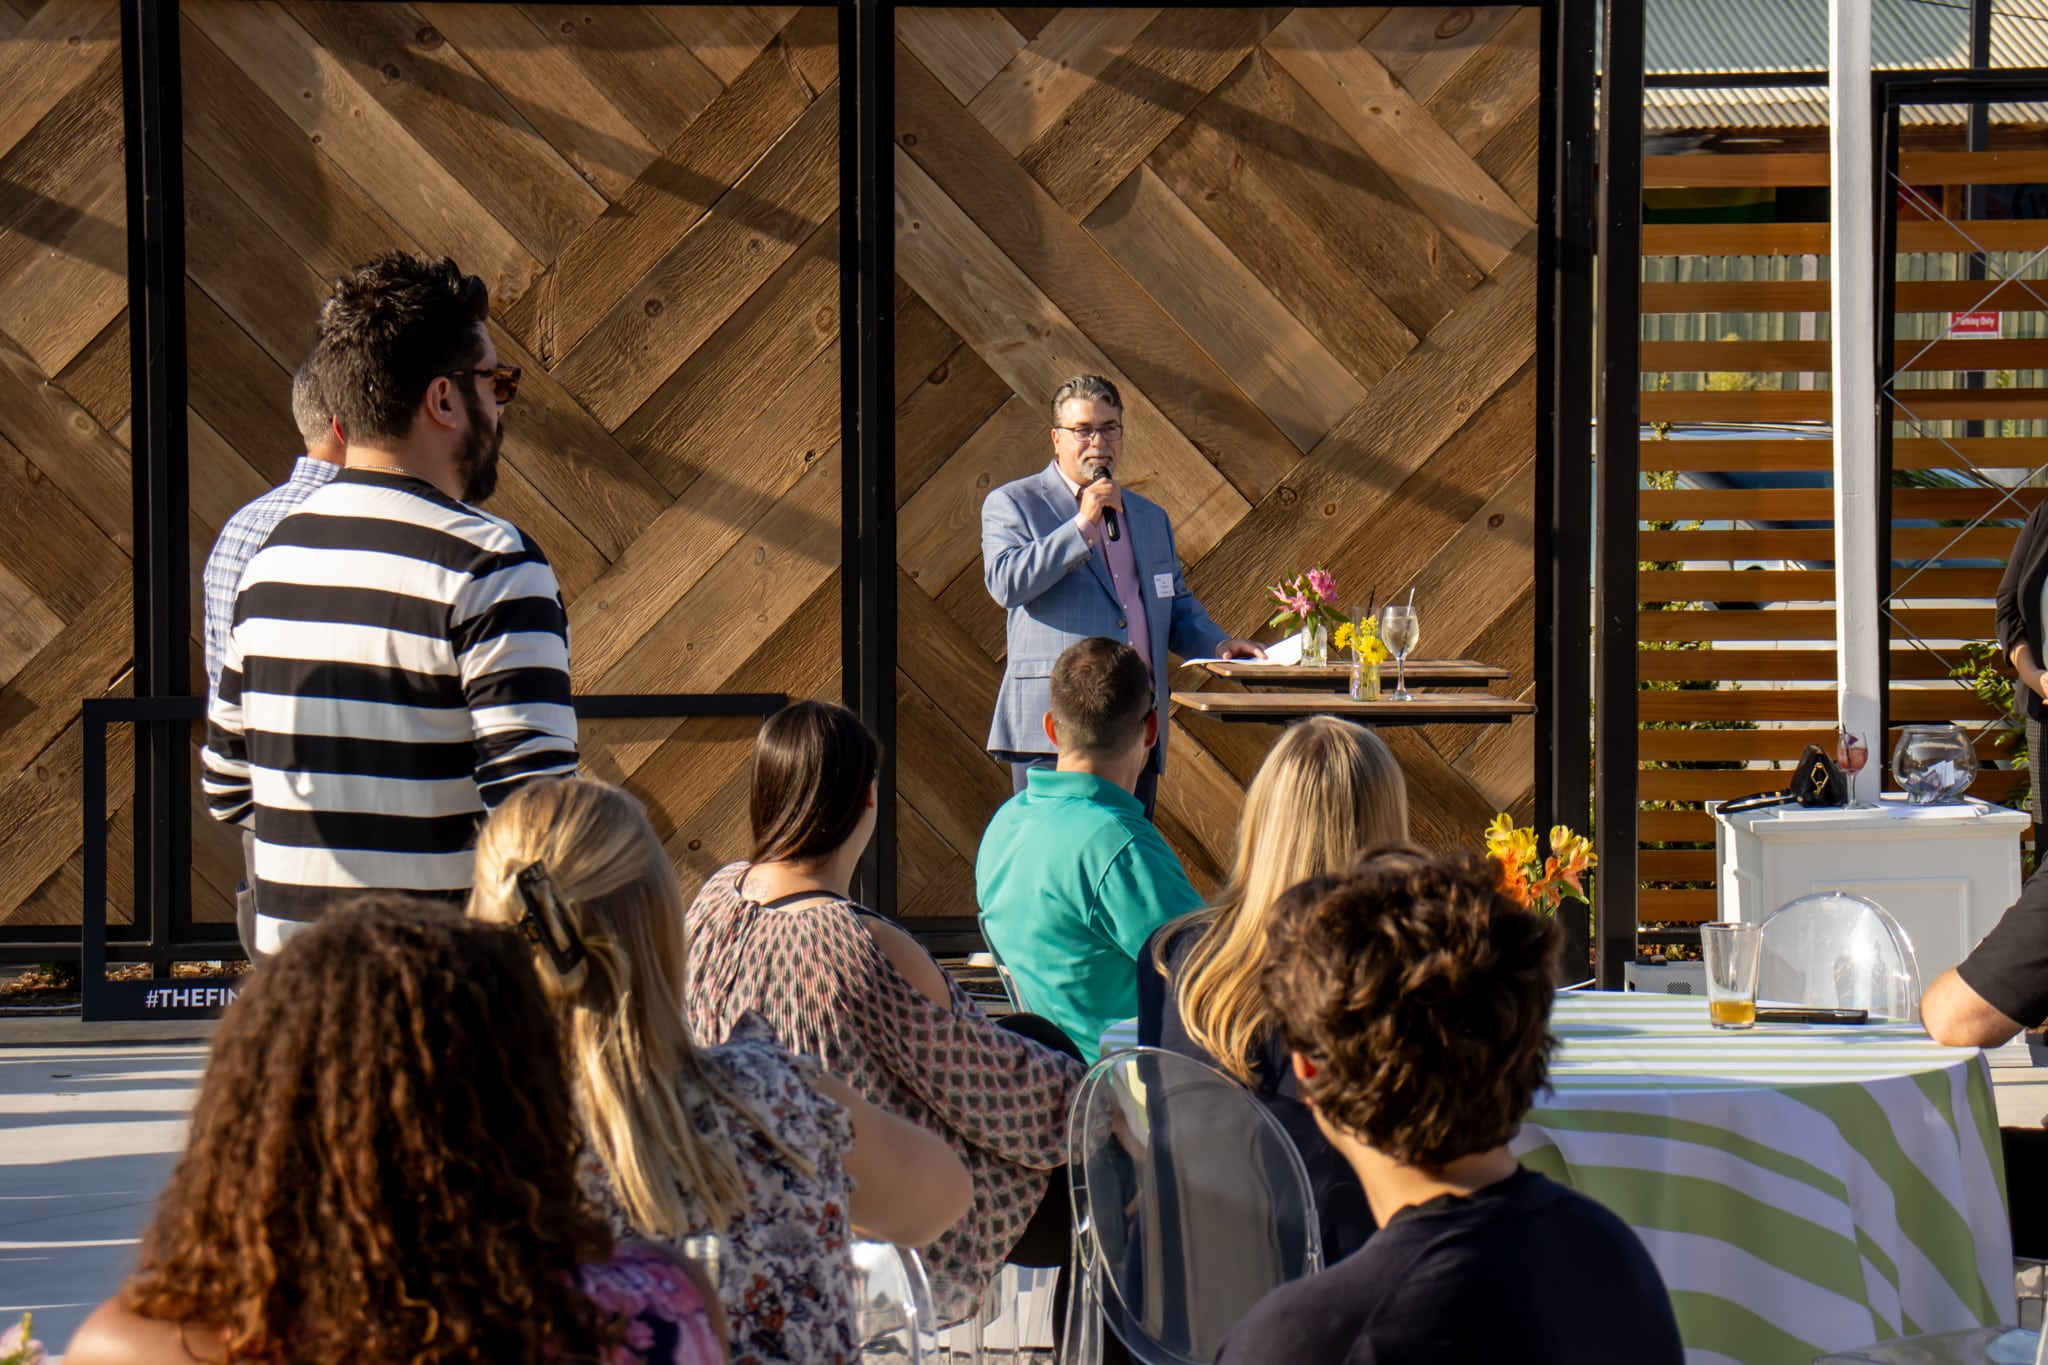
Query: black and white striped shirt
pixel 399 663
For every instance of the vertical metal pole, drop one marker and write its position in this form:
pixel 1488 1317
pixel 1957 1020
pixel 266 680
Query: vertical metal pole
pixel 1618 472
pixel 92 926
pixel 1975 196
pixel 1564 450
pixel 1861 584
pixel 867 38
pixel 156 332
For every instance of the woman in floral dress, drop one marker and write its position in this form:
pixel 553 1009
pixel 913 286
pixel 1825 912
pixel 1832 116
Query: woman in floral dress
pixel 780 936
pixel 744 1142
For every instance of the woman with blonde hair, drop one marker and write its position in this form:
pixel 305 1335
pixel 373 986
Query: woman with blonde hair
pixel 1327 792
pixel 742 1140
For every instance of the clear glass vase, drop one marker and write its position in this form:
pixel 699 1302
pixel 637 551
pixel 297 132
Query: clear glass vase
pixel 1315 643
pixel 1365 680
pixel 1933 764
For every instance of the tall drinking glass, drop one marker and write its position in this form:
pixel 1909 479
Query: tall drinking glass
pixel 1399 632
pixel 1732 952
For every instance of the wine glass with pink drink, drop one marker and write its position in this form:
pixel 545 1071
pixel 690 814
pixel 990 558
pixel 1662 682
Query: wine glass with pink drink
pixel 1852 753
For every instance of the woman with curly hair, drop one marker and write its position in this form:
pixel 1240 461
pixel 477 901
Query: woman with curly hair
pixel 382 1167
pixel 1413 997
pixel 742 1141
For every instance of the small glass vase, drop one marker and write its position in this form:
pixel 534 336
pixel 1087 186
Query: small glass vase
pixel 1315 643
pixel 1365 680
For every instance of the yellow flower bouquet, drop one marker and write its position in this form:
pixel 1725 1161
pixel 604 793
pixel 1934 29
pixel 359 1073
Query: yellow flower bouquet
pixel 1368 652
pixel 1540 884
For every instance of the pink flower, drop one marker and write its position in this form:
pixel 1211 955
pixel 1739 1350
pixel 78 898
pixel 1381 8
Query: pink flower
pixel 1298 604
pixel 1322 585
pixel 17 1345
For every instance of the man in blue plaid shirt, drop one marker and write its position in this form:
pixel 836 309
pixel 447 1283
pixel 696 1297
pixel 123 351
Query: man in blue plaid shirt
pixel 242 537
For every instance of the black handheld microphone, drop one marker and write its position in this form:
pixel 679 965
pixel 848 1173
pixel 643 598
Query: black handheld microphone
pixel 1099 470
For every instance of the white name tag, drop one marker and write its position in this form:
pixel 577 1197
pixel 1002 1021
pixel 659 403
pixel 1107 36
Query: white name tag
pixel 1162 585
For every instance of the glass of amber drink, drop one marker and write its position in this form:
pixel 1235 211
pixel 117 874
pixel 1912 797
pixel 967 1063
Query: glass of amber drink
pixel 1732 952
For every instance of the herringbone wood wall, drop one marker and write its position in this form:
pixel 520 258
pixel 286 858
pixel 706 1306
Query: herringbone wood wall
pixel 1303 244
pixel 652 195
pixel 66 586
pixel 1302 241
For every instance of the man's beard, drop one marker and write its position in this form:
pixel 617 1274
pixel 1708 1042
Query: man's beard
pixel 477 464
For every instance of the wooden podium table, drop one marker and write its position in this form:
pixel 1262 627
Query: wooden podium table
pixel 1337 676
pixel 1432 708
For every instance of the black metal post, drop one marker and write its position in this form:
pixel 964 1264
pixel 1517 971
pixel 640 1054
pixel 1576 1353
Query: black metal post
pixel 1564 442
pixel 156 331
pixel 867 38
pixel 1617 466
pixel 1883 177
pixel 1975 196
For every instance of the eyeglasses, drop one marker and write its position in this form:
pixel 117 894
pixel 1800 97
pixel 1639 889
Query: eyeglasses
pixel 504 380
pixel 1108 431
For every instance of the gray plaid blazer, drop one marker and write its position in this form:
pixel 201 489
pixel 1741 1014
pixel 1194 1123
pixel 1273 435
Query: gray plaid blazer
pixel 1057 591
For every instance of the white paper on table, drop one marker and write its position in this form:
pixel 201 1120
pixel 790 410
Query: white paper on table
pixel 1283 651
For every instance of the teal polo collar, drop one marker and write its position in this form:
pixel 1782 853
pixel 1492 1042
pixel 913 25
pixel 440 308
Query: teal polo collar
pixel 1053 784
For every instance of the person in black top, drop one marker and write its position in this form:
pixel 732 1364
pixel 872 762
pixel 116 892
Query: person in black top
pixel 1415 998
pixel 2021 620
pixel 1327 792
pixel 1983 1001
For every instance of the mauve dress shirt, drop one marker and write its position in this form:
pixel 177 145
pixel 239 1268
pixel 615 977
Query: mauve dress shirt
pixel 1122 563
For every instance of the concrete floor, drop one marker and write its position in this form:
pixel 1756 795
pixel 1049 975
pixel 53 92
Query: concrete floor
pixel 89 1132
pixel 88 1135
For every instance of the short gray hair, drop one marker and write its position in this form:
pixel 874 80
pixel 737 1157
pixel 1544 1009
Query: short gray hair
pixel 310 408
pixel 1091 388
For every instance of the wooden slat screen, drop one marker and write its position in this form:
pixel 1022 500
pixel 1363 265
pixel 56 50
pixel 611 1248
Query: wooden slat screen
pixel 1738 628
pixel 1320 311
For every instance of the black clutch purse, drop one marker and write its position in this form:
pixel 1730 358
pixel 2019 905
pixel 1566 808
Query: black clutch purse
pixel 1816 781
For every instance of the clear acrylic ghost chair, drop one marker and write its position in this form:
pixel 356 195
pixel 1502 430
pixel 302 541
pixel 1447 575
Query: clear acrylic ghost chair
pixel 1839 951
pixel 894 1305
pixel 1972 1346
pixel 1190 1202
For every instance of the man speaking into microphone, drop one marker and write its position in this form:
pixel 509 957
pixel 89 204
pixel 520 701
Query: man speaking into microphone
pixel 1069 554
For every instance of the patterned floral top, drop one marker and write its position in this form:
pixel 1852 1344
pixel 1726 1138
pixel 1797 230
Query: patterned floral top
pixel 666 1320
pixel 785 1269
pixel 828 990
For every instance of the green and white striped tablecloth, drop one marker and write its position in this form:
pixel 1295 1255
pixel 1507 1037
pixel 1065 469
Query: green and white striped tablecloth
pixel 1802 1188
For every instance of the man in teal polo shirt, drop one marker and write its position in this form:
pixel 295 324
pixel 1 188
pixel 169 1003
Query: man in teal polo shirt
pixel 1072 878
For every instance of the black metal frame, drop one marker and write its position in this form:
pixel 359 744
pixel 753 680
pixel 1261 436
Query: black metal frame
pixel 868 571
pixel 162 997
pixel 1565 306
pixel 1618 461
pixel 152 87
pixel 1890 92
pixel 867 414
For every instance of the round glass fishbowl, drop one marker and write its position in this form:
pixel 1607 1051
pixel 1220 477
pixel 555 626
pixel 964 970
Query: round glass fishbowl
pixel 1933 764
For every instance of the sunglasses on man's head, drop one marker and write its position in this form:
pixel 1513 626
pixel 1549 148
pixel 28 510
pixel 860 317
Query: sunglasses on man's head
pixel 504 381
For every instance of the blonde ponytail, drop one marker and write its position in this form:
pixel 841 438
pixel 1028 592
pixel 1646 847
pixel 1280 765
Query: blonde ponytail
pixel 576 867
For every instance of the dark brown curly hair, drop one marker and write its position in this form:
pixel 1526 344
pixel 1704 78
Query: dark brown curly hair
pixel 381 1164
pixel 1422 993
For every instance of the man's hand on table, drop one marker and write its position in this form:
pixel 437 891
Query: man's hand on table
pixel 1240 649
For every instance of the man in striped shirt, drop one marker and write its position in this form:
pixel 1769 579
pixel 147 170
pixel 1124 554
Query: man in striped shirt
pixel 399 659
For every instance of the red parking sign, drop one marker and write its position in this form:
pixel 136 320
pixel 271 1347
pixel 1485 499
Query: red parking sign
pixel 1973 326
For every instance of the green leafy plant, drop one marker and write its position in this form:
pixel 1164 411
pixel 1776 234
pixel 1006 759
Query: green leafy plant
pixel 1997 689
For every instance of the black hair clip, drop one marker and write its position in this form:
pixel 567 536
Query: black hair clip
pixel 538 927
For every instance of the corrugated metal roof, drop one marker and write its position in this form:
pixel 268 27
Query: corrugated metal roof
pixel 1702 36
